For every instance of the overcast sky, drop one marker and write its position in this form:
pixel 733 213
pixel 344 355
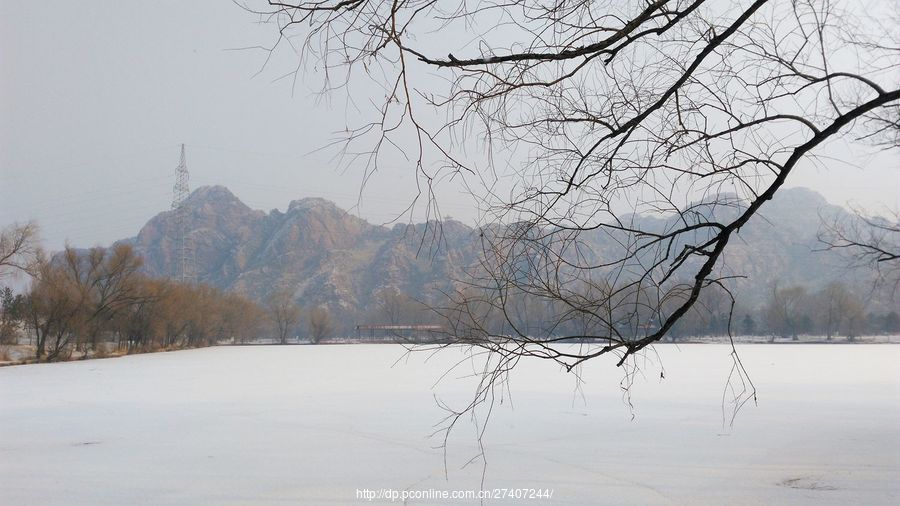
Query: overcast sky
pixel 95 98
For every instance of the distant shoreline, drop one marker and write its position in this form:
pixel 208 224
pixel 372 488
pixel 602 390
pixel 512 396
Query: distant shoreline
pixel 21 351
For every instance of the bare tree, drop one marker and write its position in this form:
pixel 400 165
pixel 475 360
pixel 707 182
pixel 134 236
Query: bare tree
pixel 106 282
pixel 784 311
pixel 19 248
pixel 621 145
pixel 395 307
pixel 690 112
pixel 242 319
pixel 867 241
pixel 285 314
pixel 320 325
pixel 839 308
pixel 54 311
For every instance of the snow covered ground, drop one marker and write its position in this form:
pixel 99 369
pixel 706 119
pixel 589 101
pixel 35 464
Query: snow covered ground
pixel 313 424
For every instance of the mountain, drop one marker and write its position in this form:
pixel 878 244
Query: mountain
pixel 317 252
pixel 323 255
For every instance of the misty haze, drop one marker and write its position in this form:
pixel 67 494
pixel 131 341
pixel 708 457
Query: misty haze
pixel 416 252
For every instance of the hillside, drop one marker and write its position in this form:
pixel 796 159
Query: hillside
pixel 323 255
pixel 315 250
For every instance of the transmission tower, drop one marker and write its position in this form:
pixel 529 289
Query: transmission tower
pixel 185 265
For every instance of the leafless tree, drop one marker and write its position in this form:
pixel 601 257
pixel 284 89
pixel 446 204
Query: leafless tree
pixel 241 319
pixel 867 241
pixel 616 148
pixel 784 311
pixel 320 325
pixel 285 314
pixel 19 248
pixel 53 311
pixel 839 308
pixel 395 307
pixel 692 112
pixel 106 283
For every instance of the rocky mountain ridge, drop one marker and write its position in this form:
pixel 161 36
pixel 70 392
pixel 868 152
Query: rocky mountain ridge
pixel 322 255
pixel 316 251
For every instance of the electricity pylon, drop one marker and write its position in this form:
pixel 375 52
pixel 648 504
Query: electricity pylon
pixel 185 265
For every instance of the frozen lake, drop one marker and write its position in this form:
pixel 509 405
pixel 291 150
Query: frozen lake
pixel 312 424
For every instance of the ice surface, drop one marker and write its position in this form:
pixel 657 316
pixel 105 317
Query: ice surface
pixel 312 424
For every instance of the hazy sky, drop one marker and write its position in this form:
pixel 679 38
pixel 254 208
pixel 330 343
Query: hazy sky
pixel 95 98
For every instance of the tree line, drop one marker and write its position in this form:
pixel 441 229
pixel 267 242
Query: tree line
pixel 78 303
pixel 789 312
pixel 87 303
pixel 833 310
